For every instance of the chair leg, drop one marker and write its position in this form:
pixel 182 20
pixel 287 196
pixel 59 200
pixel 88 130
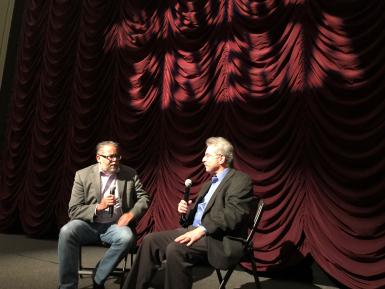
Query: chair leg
pixel 255 274
pixel 122 278
pixel 220 279
pixel 131 259
pixel 226 278
pixel 124 264
pixel 223 280
pixel 82 270
pixel 124 270
pixel 80 266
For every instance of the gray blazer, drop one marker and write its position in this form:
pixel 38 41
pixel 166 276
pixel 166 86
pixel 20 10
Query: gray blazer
pixel 225 218
pixel 86 193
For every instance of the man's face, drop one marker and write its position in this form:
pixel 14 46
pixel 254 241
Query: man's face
pixel 212 161
pixel 108 158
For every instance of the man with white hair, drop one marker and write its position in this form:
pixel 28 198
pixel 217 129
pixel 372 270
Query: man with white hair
pixel 210 226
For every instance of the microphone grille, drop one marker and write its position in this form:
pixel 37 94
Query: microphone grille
pixel 188 183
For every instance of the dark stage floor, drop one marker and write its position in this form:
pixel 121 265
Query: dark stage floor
pixel 27 263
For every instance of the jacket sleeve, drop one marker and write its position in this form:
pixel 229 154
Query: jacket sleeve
pixel 142 199
pixel 81 205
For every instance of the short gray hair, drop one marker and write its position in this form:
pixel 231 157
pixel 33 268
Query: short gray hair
pixel 106 143
pixel 223 147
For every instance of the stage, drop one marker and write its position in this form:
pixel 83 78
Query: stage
pixel 27 263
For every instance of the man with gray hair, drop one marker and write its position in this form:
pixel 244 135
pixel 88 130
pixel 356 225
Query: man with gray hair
pixel 107 199
pixel 210 227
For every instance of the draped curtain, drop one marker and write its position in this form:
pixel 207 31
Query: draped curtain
pixel 297 86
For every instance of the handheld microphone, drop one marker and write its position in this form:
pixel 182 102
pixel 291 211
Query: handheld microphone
pixel 111 207
pixel 186 194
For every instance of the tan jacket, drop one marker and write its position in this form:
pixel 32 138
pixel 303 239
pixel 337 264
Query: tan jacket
pixel 86 193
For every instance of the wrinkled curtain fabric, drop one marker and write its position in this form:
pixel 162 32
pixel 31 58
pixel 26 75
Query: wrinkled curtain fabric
pixel 298 87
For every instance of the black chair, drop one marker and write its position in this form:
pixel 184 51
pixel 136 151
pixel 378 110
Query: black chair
pixel 117 272
pixel 248 255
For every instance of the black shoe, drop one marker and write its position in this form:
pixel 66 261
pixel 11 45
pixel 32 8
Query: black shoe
pixel 96 285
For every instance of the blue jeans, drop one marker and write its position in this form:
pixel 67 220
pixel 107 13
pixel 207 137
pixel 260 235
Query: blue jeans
pixel 76 233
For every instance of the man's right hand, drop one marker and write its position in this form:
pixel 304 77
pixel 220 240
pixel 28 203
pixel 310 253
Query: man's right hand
pixel 183 206
pixel 108 200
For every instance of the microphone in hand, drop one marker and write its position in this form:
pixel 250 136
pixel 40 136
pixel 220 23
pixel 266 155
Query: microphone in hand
pixel 187 186
pixel 186 196
pixel 111 207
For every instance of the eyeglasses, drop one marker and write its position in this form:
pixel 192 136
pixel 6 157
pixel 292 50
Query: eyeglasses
pixel 112 157
pixel 212 155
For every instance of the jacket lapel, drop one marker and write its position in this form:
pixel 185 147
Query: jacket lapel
pixel 201 195
pixel 203 192
pixel 120 182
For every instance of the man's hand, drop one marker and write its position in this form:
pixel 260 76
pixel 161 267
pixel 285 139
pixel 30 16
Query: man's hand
pixel 125 219
pixel 108 200
pixel 190 237
pixel 183 206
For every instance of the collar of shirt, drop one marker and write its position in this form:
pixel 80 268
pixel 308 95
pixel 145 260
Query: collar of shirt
pixel 104 174
pixel 222 174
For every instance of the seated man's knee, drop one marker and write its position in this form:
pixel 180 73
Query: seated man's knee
pixel 149 238
pixel 119 237
pixel 175 249
pixel 127 237
pixel 69 230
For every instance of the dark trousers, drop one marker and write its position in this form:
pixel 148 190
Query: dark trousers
pixel 180 259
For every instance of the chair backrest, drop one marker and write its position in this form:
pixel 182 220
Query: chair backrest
pixel 255 222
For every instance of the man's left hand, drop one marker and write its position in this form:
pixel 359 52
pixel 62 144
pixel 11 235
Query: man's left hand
pixel 125 219
pixel 191 237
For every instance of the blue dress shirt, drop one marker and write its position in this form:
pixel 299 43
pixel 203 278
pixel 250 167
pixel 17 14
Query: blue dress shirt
pixel 215 181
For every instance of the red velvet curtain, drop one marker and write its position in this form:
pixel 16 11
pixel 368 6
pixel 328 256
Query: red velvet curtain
pixel 298 87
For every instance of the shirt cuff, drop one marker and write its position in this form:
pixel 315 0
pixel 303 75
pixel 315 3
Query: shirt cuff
pixel 203 229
